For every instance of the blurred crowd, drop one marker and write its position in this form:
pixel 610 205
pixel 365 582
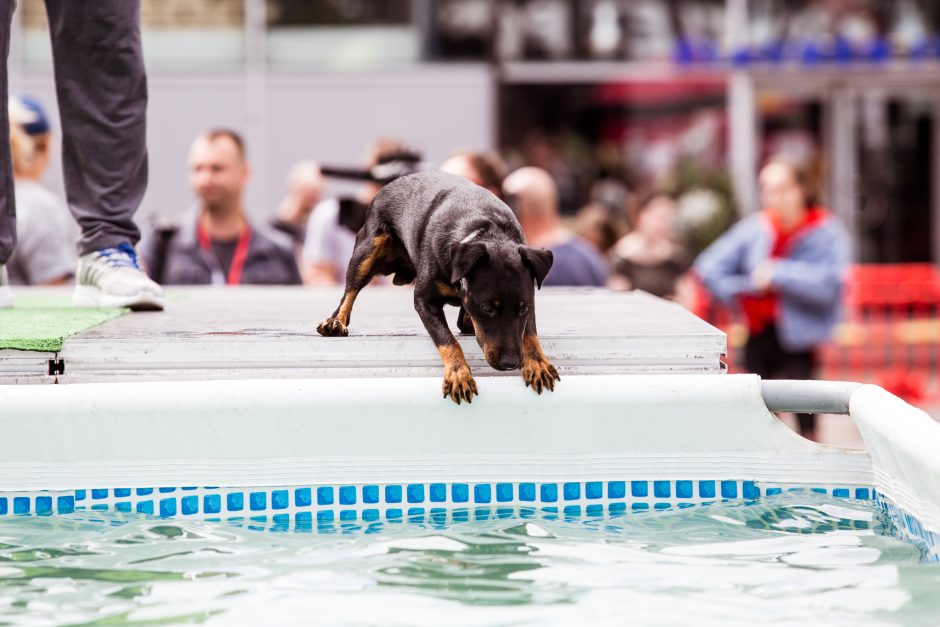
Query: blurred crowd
pixel 783 266
pixel 631 242
pixel 620 239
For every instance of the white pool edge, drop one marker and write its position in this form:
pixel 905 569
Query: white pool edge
pixel 374 446
pixel 904 444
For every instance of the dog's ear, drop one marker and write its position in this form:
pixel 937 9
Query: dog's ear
pixel 538 260
pixel 464 258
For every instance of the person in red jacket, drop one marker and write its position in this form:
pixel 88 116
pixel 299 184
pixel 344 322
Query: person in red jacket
pixel 784 266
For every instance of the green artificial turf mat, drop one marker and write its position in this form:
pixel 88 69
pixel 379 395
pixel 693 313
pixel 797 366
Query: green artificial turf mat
pixel 41 323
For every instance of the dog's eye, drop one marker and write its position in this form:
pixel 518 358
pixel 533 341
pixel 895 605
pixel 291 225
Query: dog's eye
pixel 487 309
pixel 523 309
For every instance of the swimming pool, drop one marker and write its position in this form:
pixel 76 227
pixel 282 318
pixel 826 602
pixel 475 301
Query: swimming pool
pixel 795 557
pixel 324 451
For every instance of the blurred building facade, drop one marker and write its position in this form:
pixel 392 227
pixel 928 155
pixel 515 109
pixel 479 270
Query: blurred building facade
pixel 688 94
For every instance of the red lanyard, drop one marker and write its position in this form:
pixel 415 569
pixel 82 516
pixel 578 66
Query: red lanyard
pixel 238 259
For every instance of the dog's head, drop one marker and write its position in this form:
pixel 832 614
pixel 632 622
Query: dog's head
pixel 497 291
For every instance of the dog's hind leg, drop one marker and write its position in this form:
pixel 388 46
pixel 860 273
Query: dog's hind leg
pixel 405 275
pixel 465 323
pixel 366 259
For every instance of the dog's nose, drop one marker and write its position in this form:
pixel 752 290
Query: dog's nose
pixel 508 362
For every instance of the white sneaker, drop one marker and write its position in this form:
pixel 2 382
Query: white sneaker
pixel 111 277
pixel 6 295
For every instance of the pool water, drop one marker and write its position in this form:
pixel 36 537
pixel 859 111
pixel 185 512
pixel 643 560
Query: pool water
pixel 795 558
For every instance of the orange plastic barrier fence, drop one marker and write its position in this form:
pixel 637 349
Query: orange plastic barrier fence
pixel 889 334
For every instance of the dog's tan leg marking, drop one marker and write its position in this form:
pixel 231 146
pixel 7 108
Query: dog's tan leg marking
pixel 337 324
pixel 345 307
pixel 458 380
pixel 446 290
pixel 536 369
pixel 368 264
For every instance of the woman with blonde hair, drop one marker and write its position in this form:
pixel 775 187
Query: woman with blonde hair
pixel 45 251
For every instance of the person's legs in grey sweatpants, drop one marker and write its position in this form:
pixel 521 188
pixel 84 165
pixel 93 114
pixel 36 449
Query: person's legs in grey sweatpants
pixel 101 87
pixel 7 207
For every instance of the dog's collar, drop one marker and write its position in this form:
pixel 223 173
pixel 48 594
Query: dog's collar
pixel 472 235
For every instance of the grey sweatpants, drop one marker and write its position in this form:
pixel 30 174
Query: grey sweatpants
pixel 101 87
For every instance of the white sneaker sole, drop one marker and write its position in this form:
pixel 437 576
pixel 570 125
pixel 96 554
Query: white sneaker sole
pixel 6 296
pixel 91 296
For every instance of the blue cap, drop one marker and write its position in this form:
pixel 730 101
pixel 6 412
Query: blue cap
pixel 26 112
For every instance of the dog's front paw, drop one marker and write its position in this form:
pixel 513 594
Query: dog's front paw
pixel 332 327
pixel 539 374
pixel 459 384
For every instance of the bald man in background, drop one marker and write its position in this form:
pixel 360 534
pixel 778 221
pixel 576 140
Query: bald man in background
pixel 486 169
pixel 533 196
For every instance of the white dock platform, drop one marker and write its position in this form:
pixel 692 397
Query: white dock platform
pixel 270 332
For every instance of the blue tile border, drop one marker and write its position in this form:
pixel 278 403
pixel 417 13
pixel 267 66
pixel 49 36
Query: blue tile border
pixel 616 489
pixel 910 528
pixel 284 499
pixel 374 503
pixel 459 493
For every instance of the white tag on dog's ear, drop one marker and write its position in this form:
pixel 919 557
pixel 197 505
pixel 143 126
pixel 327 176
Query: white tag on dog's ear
pixel 471 236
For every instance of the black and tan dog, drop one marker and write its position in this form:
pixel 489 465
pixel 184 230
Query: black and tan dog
pixel 462 246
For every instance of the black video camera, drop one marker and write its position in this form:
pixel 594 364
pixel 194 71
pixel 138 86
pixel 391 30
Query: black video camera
pixel 352 212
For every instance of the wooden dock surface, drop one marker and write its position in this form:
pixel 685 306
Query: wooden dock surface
pixel 270 332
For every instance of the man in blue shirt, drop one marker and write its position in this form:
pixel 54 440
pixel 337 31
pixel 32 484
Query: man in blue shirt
pixel 533 196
